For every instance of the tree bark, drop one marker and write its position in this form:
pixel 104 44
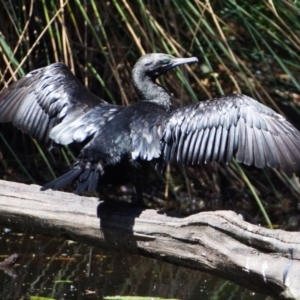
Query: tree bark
pixel 220 243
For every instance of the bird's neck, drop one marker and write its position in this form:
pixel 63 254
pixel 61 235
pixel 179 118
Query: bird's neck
pixel 151 91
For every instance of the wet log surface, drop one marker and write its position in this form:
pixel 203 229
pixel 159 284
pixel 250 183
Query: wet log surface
pixel 220 243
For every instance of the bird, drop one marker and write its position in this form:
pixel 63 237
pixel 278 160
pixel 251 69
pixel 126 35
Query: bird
pixel 51 105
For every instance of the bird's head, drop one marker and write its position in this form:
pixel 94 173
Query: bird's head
pixel 155 64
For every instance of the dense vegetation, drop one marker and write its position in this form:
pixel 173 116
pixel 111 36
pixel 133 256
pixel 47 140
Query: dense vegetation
pixel 243 47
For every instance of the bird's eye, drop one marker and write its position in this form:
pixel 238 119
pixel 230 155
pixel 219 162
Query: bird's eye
pixel 166 61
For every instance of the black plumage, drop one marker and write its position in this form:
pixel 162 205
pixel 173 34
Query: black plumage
pixel 51 104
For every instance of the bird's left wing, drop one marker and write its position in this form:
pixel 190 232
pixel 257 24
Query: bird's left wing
pixel 51 103
pixel 233 126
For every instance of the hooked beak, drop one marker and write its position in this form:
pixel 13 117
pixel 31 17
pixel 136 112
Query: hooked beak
pixel 179 61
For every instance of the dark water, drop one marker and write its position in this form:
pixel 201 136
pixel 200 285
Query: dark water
pixel 61 269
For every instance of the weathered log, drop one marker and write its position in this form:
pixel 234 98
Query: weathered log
pixel 220 243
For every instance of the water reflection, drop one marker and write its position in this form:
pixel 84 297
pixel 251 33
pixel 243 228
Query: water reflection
pixel 59 269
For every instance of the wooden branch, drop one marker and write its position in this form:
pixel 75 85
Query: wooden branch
pixel 220 243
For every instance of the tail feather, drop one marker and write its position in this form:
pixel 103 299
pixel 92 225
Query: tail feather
pixel 63 180
pixel 88 181
pixel 93 182
pixel 83 185
pixel 88 175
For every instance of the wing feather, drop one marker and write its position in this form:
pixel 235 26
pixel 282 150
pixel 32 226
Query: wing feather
pixel 189 147
pixel 197 146
pixel 230 144
pixel 259 155
pixel 210 145
pixel 185 149
pixel 51 102
pixel 241 151
pixel 223 145
pixel 233 126
pixel 217 145
pixel 203 145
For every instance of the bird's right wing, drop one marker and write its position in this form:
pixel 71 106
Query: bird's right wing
pixel 233 126
pixel 51 102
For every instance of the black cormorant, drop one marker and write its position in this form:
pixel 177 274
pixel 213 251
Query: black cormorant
pixel 51 104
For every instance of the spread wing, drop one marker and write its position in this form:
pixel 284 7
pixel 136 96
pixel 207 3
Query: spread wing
pixel 233 126
pixel 51 102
